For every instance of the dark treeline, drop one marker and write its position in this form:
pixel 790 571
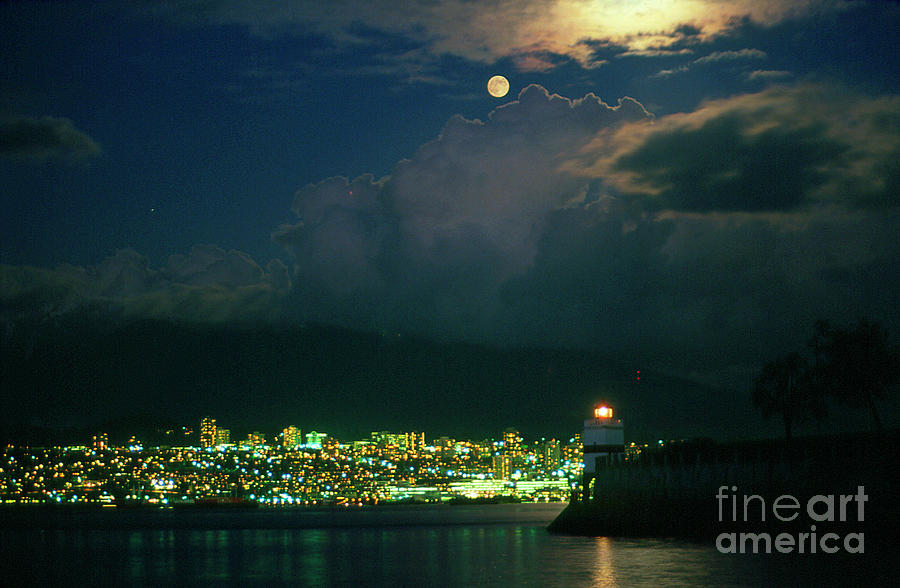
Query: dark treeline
pixel 856 367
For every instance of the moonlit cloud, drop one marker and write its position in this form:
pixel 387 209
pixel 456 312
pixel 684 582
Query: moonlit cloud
pixel 732 55
pixel 655 53
pixel 715 57
pixel 769 74
pixel 488 31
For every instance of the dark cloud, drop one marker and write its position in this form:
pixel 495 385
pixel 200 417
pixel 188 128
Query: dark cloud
pixel 43 138
pixel 782 149
pixel 207 285
pixel 722 166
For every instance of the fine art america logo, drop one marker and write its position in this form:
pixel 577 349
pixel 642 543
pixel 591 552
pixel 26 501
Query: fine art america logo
pixel 752 509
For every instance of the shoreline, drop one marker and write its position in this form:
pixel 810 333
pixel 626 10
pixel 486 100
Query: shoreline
pixel 212 518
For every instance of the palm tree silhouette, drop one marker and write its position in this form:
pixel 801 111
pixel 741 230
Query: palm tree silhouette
pixel 783 387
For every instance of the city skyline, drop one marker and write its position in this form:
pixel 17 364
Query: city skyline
pixel 193 468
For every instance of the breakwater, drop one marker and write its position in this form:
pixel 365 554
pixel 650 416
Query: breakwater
pixel 699 489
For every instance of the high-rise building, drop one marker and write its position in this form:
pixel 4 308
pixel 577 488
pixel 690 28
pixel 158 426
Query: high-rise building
pixel 223 436
pixel 550 454
pixel 512 442
pixel 414 441
pixel 207 432
pixel 501 463
pixel 572 450
pixel 290 437
pixel 101 441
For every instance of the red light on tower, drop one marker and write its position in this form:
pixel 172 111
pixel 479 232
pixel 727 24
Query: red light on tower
pixel 603 412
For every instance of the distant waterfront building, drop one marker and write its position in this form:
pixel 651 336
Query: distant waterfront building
pixel 290 437
pixel 207 432
pixel 314 439
pixel 100 441
pixel 223 436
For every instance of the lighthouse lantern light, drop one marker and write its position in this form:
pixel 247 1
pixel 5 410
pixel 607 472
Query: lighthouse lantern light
pixel 603 412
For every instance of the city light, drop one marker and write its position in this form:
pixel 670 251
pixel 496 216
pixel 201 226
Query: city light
pixel 387 467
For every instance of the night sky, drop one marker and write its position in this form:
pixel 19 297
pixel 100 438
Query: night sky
pixel 288 212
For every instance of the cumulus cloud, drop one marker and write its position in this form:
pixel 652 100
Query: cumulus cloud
pixel 450 224
pixel 39 139
pixel 693 240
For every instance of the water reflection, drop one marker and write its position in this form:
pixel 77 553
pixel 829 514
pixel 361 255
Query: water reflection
pixel 435 555
pixel 605 569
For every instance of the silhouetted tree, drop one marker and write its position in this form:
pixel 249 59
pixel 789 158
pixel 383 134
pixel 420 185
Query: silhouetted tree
pixel 783 387
pixel 855 365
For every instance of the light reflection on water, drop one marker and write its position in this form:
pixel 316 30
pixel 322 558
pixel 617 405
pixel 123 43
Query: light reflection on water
pixel 499 554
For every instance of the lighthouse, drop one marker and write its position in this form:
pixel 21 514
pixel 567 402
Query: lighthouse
pixel 604 440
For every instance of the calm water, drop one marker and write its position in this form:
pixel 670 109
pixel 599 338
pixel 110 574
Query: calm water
pixel 458 546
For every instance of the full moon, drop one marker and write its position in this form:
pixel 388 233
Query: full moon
pixel 498 86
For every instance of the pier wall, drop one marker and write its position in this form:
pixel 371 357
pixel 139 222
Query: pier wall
pixel 672 491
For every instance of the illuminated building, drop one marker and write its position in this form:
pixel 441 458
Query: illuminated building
pixel 256 438
pixel 550 454
pixel 207 432
pixel 223 436
pixel 414 441
pixel 100 441
pixel 314 439
pixel 290 437
pixel 604 439
pixel 512 442
pixel 572 450
pixel 501 466
pixel 386 439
